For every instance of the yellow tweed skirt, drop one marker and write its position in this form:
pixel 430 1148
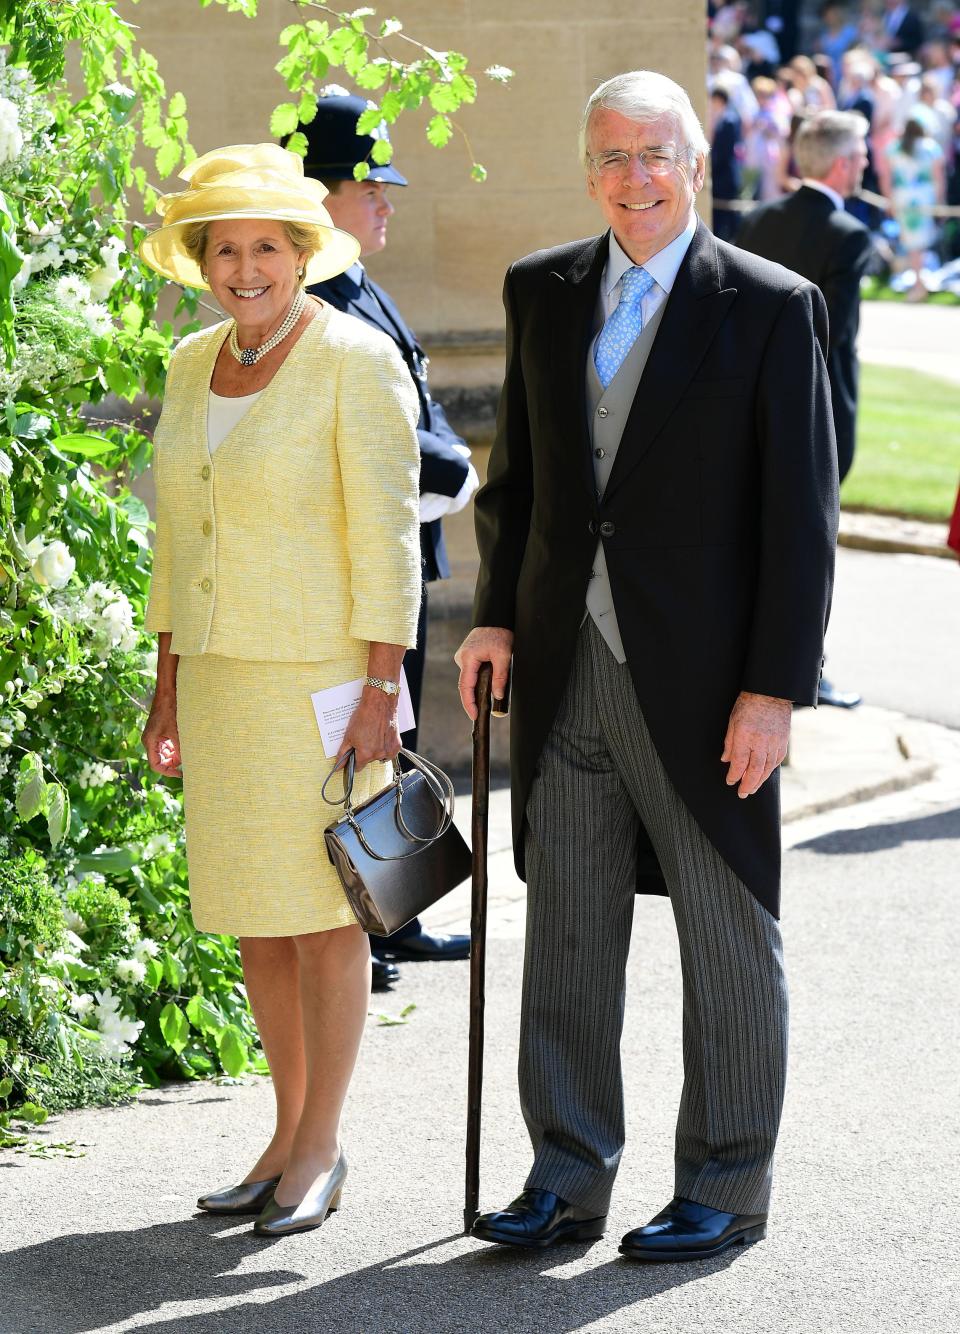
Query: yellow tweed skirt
pixel 253 766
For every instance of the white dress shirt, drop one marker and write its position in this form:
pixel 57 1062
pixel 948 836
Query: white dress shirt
pixel 662 268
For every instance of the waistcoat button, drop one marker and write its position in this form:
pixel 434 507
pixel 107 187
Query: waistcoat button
pixel 603 412
pixel 600 453
pixel 207 527
pixel 607 529
pixel 205 585
pixel 205 472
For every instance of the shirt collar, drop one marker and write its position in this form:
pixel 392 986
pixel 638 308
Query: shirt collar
pixel 355 272
pixel 827 190
pixel 662 267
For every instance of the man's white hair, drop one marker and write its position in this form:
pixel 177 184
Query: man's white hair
pixel 642 95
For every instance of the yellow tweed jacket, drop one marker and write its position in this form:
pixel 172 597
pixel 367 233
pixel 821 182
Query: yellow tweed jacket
pixel 299 539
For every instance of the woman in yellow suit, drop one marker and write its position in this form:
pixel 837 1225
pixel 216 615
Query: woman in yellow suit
pixel 287 560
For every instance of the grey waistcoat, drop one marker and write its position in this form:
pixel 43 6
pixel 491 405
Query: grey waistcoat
pixel 608 409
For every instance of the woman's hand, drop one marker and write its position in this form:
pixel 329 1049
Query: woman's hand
pixel 161 739
pixel 372 730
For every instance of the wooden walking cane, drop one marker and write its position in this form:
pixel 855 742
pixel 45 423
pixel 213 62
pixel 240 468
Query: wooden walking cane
pixel 486 704
pixel 478 938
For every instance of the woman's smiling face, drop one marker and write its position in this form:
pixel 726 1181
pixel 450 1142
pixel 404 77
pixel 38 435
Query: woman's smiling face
pixel 251 267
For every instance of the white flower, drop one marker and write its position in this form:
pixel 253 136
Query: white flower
pixel 32 548
pixel 132 971
pixel 158 845
pixel 54 565
pixel 119 90
pixel 146 949
pixel 98 320
pixel 118 1034
pixel 499 73
pixel 111 621
pixel 93 774
pixel 65 958
pixel 71 255
pixel 72 292
pixel 81 1005
pixel 107 1004
pixel 103 279
pixel 11 137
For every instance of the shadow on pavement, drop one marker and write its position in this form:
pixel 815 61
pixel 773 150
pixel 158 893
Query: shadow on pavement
pixel 883 837
pixel 76 1283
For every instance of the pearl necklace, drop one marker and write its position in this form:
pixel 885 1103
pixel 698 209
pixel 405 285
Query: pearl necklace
pixel 249 356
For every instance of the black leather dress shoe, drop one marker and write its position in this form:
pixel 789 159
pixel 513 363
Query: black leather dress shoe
pixel 689 1231
pixel 422 946
pixel 536 1219
pixel 827 693
pixel 384 975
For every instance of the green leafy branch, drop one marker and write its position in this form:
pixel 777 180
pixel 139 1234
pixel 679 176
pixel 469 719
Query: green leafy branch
pixel 348 40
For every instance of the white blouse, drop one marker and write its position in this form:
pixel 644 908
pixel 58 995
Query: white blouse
pixel 223 414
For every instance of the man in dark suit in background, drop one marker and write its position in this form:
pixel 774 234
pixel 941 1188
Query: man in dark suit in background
pixel 726 147
pixel 903 28
pixel 811 233
pixel 657 538
pixel 447 478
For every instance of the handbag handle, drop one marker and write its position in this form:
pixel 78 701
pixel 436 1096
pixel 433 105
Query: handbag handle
pixel 437 781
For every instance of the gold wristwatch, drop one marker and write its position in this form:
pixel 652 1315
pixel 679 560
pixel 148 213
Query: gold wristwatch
pixel 388 687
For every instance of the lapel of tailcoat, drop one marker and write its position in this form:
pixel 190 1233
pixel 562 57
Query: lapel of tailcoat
pixel 694 311
pixel 573 308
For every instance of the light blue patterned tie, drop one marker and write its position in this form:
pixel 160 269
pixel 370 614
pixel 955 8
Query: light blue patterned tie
pixel 620 332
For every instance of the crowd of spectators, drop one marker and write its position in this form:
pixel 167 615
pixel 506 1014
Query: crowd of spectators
pixel 898 67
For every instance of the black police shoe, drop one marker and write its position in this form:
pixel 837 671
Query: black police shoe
pixel 384 975
pixel 537 1219
pixel 689 1231
pixel 423 945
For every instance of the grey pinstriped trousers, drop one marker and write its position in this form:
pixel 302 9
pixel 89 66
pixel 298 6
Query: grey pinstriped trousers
pixel 598 778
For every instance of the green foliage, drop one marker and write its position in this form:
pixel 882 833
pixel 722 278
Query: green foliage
pixel 104 981
pixel 366 49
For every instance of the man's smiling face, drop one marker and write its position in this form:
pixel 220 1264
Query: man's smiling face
pixel 645 212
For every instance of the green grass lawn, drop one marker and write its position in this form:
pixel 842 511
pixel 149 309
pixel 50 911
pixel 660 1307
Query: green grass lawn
pixel 908 444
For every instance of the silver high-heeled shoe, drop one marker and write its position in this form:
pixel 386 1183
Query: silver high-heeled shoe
pixel 323 1197
pixel 247 1198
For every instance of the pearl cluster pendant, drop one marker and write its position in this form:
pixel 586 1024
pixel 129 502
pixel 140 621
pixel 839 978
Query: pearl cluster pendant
pixel 249 356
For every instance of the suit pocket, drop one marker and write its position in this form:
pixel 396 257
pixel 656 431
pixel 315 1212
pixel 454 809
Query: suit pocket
pixel 714 388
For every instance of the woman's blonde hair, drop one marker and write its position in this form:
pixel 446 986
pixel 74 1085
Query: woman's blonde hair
pixel 304 238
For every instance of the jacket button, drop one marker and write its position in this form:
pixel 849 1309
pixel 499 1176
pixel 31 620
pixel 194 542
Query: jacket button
pixel 607 529
pixel 603 412
pixel 600 453
pixel 205 472
pixel 207 527
pixel 592 527
pixel 205 585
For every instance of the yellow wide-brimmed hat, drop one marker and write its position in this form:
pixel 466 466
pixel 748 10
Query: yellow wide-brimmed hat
pixel 246 181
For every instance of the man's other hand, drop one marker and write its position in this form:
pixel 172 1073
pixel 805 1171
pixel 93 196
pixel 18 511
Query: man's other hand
pixel 484 644
pixel 756 740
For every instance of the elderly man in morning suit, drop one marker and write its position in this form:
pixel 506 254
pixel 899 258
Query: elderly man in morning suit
pixel 657 541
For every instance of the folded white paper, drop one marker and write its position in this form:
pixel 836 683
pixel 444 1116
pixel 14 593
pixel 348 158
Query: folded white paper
pixel 334 709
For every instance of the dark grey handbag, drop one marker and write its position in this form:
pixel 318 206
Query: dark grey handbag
pixel 399 852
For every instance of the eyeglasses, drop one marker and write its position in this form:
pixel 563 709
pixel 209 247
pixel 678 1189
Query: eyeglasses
pixel 654 161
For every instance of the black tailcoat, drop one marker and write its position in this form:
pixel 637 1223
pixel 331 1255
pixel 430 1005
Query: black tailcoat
pixel 442 469
pixel 719 520
pixel 805 232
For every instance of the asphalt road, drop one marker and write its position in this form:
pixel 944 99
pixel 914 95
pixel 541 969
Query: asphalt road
pixel 862 1235
pixel 895 633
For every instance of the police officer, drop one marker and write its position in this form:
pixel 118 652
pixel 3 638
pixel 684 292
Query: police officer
pixel 447 478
